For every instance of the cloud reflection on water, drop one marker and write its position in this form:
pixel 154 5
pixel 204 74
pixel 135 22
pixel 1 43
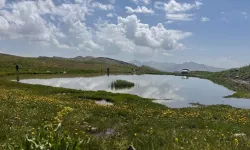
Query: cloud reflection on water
pixel 172 91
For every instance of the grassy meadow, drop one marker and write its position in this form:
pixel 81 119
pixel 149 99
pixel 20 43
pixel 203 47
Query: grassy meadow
pixel 41 117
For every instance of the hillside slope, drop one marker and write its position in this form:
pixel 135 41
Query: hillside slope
pixel 70 65
pixel 242 73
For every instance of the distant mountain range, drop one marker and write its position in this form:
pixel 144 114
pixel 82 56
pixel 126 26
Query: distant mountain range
pixel 172 67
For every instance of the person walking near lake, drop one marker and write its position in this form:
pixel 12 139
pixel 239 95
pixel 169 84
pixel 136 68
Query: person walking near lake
pixel 17 73
pixel 17 69
pixel 108 71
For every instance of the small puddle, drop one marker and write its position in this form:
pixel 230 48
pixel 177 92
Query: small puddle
pixel 104 103
pixel 107 133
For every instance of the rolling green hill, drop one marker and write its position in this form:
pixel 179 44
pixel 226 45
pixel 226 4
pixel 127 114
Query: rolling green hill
pixel 51 65
pixel 242 73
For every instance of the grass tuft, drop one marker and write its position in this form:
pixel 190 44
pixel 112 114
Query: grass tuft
pixel 122 84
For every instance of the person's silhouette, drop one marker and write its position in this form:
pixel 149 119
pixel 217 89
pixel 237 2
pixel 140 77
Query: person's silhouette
pixel 17 68
pixel 108 71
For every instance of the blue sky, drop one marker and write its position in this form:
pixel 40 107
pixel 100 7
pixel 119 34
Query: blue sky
pixel 211 32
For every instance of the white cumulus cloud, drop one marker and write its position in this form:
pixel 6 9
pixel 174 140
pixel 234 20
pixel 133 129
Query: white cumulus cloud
pixel 178 11
pixel 174 7
pixel 2 3
pixel 131 36
pixel 243 13
pixel 180 17
pixel 141 1
pixel 65 26
pixel 204 19
pixel 110 15
pixel 102 6
pixel 157 37
pixel 142 10
pixel 23 20
pixel 169 22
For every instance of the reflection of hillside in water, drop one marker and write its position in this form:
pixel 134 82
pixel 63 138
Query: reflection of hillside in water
pixel 172 91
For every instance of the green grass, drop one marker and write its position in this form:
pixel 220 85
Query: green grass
pixel 29 115
pixel 122 84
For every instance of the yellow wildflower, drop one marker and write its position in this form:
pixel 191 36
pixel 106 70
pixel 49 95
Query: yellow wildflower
pixel 236 142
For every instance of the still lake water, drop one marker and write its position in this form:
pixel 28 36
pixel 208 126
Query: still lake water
pixel 172 91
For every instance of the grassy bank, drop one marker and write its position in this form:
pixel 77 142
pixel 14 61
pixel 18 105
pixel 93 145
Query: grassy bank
pixel 36 111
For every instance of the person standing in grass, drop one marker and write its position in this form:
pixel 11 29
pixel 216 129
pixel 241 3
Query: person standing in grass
pixel 17 73
pixel 17 68
pixel 108 71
